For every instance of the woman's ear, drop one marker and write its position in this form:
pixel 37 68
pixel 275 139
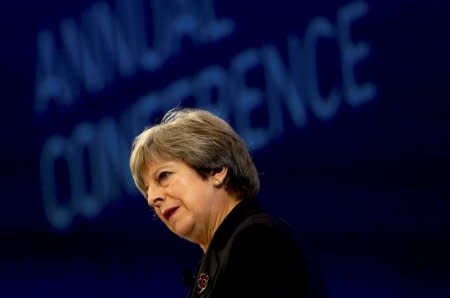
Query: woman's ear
pixel 219 177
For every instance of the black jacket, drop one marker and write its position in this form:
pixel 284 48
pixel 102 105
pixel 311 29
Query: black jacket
pixel 253 254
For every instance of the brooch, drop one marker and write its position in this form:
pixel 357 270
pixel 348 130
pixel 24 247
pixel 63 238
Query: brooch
pixel 202 282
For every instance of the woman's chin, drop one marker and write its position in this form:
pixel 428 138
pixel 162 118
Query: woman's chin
pixel 184 229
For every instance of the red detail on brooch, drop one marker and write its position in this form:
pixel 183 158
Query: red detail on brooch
pixel 202 282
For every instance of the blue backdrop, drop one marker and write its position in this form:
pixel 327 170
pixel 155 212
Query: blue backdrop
pixel 344 104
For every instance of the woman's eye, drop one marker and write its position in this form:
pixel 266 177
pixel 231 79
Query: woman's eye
pixel 163 175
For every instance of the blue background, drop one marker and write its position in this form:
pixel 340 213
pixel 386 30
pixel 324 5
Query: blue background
pixel 367 188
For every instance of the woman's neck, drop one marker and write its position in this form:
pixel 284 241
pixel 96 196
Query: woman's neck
pixel 224 207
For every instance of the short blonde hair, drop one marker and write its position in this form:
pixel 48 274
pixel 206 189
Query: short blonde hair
pixel 204 142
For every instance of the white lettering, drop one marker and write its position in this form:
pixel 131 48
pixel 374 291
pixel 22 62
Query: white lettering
pixel 323 108
pixel 106 42
pixel 353 53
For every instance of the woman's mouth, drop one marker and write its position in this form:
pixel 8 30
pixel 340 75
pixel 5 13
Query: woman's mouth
pixel 169 212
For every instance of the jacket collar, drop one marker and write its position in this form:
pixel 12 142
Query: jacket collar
pixel 239 213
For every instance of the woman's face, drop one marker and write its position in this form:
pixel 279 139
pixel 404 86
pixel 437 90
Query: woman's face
pixel 186 203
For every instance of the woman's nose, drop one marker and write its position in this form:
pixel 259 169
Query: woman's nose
pixel 155 197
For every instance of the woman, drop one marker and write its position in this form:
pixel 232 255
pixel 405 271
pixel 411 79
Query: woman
pixel 198 176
